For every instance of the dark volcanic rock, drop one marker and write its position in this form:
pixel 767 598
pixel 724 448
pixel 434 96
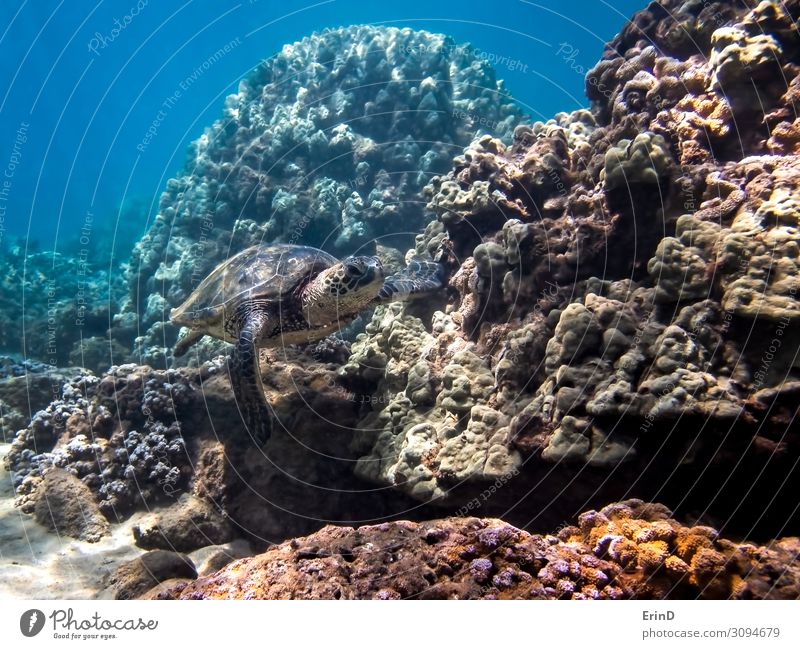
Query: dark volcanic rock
pixel 67 506
pixel 136 577
pixel 189 524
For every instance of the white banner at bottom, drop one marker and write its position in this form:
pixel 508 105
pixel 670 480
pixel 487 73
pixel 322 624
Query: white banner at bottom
pixel 400 624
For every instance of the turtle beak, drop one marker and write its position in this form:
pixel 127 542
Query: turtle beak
pixel 370 271
pixel 374 270
pixel 369 276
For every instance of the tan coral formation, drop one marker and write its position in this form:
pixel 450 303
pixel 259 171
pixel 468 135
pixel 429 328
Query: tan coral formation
pixel 610 270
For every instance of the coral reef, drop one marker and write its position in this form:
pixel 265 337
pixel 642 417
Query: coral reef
pixel 328 143
pixel 645 160
pixel 619 320
pixel 11 367
pixel 143 438
pixel 304 474
pixel 55 308
pixel 118 433
pixel 623 287
pixel 627 550
pixel 27 387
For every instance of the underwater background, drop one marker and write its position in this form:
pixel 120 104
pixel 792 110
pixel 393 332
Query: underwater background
pixel 598 402
pixel 102 113
pixel 89 109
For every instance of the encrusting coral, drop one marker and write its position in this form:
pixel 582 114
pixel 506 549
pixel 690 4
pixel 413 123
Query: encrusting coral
pixel 628 550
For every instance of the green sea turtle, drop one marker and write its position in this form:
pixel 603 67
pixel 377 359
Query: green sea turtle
pixel 273 295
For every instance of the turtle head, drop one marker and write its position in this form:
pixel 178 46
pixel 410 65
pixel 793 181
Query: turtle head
pixel 358 273
pixel 343 290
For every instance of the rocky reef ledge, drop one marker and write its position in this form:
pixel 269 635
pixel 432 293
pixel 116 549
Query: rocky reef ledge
pixel 626 550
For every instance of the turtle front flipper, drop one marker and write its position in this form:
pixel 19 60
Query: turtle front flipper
pixel 419 277
pixel 188 339
pixel 246 376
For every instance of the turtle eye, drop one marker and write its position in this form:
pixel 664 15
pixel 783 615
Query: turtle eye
pixel 354 270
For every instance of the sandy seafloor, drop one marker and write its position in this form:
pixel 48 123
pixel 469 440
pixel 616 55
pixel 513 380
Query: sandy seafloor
pixel 38 564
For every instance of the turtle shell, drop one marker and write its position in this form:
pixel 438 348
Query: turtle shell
pixel 259 272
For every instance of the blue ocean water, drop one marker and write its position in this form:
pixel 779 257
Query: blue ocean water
pixel 100 99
